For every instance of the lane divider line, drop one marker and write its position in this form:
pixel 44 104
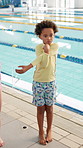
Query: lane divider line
pixel 63 27
pixel 60 37
pixel 60 56
pixel 55 20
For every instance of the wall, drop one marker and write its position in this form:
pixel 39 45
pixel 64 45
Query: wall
pixel 50 3
pixel 64 3
pixel 78 3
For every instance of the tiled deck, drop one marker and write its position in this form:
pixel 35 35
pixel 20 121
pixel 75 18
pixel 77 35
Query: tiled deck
pixel 18 111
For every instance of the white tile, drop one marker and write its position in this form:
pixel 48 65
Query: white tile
pixel 69 143
pixel 56 136
pixel 75 139
pixel 25 120
pixel 60 131
pixel 13 114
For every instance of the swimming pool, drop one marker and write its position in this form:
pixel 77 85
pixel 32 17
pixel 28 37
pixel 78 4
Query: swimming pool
pixel 17 47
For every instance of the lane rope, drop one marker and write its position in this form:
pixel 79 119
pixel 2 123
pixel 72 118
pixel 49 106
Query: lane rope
pixel 60 37
pixel 60 56
pixel 63 27
pixel 55 20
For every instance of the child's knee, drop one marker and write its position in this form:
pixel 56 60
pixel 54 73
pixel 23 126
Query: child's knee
pixel 49 109
pixel 40 109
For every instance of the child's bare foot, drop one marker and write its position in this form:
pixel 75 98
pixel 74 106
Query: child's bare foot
pixel 1 142
pixel 42 139
pixel 49 136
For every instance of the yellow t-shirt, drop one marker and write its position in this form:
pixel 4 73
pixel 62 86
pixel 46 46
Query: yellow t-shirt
pixel 45 63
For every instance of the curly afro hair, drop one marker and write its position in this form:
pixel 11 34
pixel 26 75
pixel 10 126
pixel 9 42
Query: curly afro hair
pixel 45 24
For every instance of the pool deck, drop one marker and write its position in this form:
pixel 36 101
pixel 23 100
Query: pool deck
pixel 18 112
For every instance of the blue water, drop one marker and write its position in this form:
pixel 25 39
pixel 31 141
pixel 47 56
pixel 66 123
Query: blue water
pixel 71 48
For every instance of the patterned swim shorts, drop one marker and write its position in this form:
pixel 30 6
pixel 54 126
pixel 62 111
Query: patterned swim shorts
pixel 43 93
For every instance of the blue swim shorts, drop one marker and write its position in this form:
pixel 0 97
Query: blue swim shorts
pixel 43 93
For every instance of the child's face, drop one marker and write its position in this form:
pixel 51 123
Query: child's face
pixel 47 35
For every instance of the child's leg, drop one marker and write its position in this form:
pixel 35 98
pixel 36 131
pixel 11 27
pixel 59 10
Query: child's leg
pixel 49 113
pixel 40 119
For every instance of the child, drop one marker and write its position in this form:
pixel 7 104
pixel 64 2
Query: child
pixel 44 77
pixel 1 141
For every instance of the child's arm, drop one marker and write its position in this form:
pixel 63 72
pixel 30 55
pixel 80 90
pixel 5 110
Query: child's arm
pixel 43 58
pixel 24 68
pixel 39 59
pixel 54 49
pixel 46 48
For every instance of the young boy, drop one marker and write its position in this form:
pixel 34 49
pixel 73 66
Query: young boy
pixel 44 77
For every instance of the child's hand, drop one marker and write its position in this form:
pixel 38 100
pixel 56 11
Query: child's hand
pixel 46 48
pixel 22 70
